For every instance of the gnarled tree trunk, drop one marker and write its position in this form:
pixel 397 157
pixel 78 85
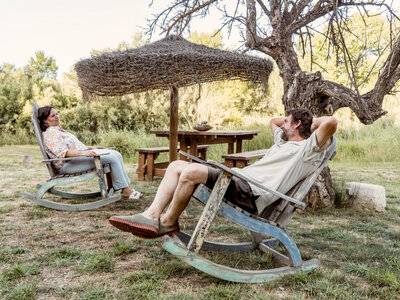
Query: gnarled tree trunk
pixel 282 21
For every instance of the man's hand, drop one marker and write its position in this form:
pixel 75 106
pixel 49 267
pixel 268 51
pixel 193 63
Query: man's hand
pixel 325 127
pixel 276 122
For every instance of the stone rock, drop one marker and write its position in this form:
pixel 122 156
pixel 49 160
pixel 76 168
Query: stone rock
pixel 27 159
pixel 366 195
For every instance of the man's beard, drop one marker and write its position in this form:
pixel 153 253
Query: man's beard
pixel 287 134
pixel 284 136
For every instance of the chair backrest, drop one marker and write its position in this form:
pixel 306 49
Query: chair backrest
pixel 38 132
pixel 281 210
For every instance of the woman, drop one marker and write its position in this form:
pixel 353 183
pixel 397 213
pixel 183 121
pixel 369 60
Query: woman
pixel 60 143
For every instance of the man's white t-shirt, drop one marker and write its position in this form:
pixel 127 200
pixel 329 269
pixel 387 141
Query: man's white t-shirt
pixel 284 164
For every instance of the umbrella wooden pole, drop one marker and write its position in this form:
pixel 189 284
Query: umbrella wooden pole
pixel 173 124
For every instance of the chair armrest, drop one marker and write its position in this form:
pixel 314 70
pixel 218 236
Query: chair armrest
pixel 46 161
pixel 224 168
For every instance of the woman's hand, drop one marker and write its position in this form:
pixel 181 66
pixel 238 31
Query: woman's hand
pixel 89 153
pixel 75 153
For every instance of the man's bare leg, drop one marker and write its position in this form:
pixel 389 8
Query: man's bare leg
pixel 189 179
pixel 176 188
pixel 178 184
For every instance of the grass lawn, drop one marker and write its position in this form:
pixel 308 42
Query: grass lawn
pixel 48 254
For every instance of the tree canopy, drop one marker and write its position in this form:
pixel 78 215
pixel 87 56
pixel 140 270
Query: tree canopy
pixel 286 31
pixel 42 66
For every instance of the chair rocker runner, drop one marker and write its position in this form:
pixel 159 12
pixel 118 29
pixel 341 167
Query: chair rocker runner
pixel 270 223
pixel 57 179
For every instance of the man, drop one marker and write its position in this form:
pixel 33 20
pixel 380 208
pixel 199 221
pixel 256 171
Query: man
pixel 299 146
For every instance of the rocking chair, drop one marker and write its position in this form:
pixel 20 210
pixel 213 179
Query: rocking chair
pixel 269 223
pixel 62 179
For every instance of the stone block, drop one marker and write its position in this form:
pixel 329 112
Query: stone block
pixel 367 195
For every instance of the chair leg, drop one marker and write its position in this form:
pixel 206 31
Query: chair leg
pixel 150 167
pixel 48 187
pixel 109 180
pixel 102 182
pixel 209 212
pixel 141 170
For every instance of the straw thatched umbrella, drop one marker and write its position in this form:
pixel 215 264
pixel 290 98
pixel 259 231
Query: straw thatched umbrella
pixel 166 64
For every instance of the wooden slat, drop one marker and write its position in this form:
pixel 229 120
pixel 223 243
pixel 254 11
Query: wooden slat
pixel 164 149
pixel 246 155
pixel 173 123
pixel 175 247
pixel 283 259
pixel 209 212
pixel 165 133
pixel 229 247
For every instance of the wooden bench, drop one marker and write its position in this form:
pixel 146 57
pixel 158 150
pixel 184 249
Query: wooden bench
pixel 148 168
pixel 241 160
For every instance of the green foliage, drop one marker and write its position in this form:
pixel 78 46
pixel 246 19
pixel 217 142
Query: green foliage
pixel 96 293
pixel 224 229
pixel 41 66
pixel 101 262
pixel 62 256
pixel 122 247
pixel 37 213
pixel 142 285
pixel 133 112
pixel 366 41
pixel 370 143
pixel 19 272
pixel 228 291
pixel 213 40
pixel 15 90
pixel 24 291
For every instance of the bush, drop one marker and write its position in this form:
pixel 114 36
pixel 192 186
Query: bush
pixel 19 137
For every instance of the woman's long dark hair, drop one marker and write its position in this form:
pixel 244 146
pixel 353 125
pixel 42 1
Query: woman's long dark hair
pixel 43 114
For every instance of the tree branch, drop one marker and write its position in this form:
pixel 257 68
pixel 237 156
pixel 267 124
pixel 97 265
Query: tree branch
pixel 389 76
pixel 188 14
pixel 366 110
pixel 322 8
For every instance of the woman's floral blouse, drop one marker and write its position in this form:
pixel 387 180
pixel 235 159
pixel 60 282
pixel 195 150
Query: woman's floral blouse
pixel 57 142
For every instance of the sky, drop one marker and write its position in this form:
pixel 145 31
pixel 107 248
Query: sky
pixel 69 30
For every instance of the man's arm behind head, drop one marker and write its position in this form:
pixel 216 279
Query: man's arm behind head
pixel 325 127
pixel 276 122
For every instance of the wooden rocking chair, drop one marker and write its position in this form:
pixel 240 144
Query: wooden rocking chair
pixel 270 223
pixel 63 179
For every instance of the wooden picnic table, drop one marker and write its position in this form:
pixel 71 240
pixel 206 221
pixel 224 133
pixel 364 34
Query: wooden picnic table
pixel 194 138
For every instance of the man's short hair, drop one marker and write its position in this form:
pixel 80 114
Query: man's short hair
pixel 306 117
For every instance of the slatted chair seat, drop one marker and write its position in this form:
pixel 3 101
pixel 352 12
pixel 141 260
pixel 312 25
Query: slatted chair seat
pixel 270 222
pixel 58 179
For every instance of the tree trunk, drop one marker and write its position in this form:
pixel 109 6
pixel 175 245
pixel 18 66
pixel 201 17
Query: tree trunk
pixel 305 92
pixel 322 193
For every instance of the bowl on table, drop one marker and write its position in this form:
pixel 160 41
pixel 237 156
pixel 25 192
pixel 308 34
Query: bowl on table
pixel 203 126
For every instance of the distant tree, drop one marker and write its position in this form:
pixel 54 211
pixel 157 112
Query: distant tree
pixel 213 40
pixel 41 66
pixel 15 91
